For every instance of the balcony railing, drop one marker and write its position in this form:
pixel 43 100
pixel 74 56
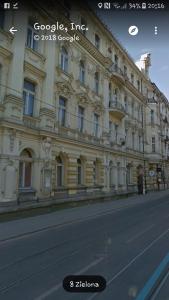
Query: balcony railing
pixel 117 73
pixel 116 109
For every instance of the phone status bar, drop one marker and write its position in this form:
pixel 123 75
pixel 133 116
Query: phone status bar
pixel 132 6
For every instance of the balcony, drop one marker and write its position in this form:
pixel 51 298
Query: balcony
pixel 116 109
pixel 117 74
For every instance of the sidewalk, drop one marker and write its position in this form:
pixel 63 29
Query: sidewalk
pixel 31 225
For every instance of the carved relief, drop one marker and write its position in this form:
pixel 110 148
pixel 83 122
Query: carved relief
pixel 98 106
pixel 12 137
pixel 46 145
pixel 83 99
pixel 65 88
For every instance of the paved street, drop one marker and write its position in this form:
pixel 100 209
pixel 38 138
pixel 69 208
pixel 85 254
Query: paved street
pixel 124 241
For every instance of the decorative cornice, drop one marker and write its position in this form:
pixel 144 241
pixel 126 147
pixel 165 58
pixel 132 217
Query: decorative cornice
pixel 47 112
pixel 36 55
pixel 34 70
pixel 5 52
pixel 13 99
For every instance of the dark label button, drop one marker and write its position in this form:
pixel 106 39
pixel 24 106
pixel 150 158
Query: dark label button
pixel 84 283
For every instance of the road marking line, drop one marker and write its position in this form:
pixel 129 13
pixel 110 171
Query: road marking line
pixel 59 285
pixel 131 262
pixel 139 234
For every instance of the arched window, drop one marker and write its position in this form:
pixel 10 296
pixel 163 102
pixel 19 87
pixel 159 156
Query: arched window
pixel 96 78
pixel 64 59
pixel 59 171
pixel 82 72
pixel 79 172
pixel 25 169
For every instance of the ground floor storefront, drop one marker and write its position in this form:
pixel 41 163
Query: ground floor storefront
pixel 34 167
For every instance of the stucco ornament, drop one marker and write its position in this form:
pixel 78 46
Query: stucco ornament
pixel 46 144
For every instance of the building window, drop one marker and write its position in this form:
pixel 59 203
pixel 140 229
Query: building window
pixel 84 24
pixel 153 144
pixel 115 96
pixel 81 119
pixel 31 32
pixel 129 174
pixel 116 62
pixel 96 78
pixel 152 116
pixel 2 19
pixel 132 78
pixel 64 59
pixel 25 169
pixel 126 136
pixel 133 140
pixel 125 70
pixel 62 111
pixel 140 142
pixel 110 127
pixel 110 92
pixel 82 72
pixel 28 97
pixel 59 171
pixel 97 41
pixel 96 124
pixel 116 127
pixel 125 104
pixel 138 85
pixel 132 109
pixel 138 112
pixel 67 10
pixel 79 172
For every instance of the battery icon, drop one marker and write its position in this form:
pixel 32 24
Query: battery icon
pixel 144 5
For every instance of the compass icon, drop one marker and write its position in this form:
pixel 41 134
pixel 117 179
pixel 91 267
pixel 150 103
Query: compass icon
pixel 133 30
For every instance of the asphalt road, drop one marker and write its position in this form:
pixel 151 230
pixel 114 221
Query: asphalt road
pixel 125 247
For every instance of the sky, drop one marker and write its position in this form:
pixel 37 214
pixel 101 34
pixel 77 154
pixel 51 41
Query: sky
pixel 145 41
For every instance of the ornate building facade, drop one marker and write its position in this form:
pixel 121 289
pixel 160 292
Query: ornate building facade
pixel 76 117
